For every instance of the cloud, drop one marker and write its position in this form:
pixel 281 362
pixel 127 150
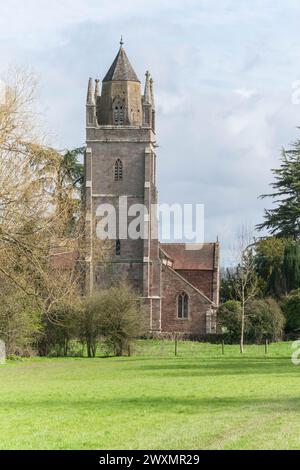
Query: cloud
pixel 245 93
pixel 223 72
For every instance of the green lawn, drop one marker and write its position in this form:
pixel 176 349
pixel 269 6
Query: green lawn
pixel 198 400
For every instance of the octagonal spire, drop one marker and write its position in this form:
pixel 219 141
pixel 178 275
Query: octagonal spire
pixel 121 69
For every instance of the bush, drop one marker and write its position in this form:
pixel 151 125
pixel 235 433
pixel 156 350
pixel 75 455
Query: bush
pixel 291 310
pixel 20 322
pixel 229 317
pixel 114 314
pixel 265 320
pixel 60 327
pixel 89 325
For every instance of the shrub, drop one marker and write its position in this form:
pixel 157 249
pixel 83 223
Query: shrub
pixel 60 327
pixel 229 317
pixel 265 320
pixel 114 314
pixel 20 322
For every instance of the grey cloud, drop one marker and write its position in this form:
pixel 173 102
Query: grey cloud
pixel 216 146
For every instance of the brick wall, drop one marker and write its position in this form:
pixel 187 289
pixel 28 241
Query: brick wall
pixel 203 280
pixel 172 285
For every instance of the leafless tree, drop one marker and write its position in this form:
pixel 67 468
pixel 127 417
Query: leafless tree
pixel 245 283
pixel 35 203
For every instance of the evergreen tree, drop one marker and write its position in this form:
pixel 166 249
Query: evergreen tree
pixel 291 266
pixel 269 256
pixel 284 219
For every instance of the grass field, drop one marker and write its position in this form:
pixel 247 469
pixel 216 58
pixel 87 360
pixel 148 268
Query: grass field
pixel 198 400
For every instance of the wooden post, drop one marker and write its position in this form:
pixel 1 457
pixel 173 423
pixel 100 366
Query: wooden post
pixel 223 347
pixel 266 346
pixel 176 345
pixel 129 350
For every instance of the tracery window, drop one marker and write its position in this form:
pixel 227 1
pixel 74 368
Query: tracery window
pixel 118 170
pixel 118 112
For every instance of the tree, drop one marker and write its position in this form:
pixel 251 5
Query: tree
pixel 291 309
pixel 121 317
pixel 20 320
pixel 291 266
pixel 245 286
pixel 244 278
pixel 89 323
pixel 278 265
pixel 68 190
pixel 269 258
pixel 114 314
pixel 284 220
pixel 39 203
pixel 265 320
pixel 63 327
pixel 229 317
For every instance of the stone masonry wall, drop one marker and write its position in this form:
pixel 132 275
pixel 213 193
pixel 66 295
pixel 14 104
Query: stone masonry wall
pixel 172 286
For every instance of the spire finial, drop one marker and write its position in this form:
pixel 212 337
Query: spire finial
pixel 121 41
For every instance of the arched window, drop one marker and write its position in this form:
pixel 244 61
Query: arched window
pixel 118 248
pixel 118 112
pixel 183 306
pixel 118 170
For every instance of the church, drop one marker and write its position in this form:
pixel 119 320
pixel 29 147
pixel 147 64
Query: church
pixel 179 286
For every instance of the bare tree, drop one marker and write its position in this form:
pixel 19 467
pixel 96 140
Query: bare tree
pixel 244 277
pixel 39 204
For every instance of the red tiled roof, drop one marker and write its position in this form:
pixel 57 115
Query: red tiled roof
pixel 184 257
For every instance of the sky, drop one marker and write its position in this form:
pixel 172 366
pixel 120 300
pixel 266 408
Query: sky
pixel 227 81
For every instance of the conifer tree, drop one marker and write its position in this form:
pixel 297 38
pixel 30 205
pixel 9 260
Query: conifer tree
pixel 284 219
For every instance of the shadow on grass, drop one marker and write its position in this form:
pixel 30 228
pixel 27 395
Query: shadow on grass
pixel 215 367
pixel 178 367
pixel 158 404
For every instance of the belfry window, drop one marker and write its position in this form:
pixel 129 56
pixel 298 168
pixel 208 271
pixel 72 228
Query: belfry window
pixel 118 111
pixel 183 306
pixel 118 170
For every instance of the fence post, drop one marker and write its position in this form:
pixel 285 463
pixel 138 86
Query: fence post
pixel 176 345
pixel 266 346
pixel 223 347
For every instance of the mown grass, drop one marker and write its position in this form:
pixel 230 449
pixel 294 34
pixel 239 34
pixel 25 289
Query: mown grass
pixel 197 400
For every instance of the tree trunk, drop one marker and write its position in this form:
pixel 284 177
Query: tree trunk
pixel 119 349
pixel 88 347
pixel 242 329
pixel 66 347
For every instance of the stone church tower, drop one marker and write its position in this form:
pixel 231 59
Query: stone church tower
pixel 121 161
pixel 178 284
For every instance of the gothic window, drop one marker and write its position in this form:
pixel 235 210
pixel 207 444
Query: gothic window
pixel 183 306
pixel 118 248
pixel 118 112
pixel 118 170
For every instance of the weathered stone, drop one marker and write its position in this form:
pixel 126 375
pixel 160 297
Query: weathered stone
pixel 121 127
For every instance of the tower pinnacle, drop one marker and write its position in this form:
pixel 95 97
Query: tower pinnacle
pixel 90 93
